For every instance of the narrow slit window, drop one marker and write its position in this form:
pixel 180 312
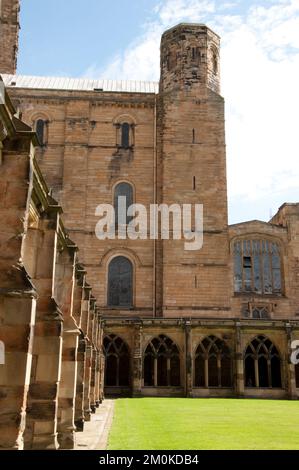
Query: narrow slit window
pixel 40 131
pixel 125 135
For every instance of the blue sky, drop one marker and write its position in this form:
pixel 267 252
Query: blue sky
pixel 64 37
pixel 259 68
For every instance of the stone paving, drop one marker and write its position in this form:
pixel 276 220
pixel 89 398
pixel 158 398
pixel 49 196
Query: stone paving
pixel 96 432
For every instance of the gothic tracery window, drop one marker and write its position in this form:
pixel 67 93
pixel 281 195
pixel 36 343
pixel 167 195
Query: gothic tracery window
pixel 213 365
pixel 262 364
pixel 117 361
pixel 120 282
pixel 161 363
pixel 257 266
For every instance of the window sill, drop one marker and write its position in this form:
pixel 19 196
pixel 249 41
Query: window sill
pixel 213 388
pixel 260 296
pixel 110 307
pixel 264 388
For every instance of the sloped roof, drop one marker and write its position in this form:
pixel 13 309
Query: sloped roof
pixel 79 84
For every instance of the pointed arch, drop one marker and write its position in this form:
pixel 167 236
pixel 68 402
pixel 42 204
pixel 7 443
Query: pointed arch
pixel 161 365
pixel 213 363
pixel 262 364
pixel 117 361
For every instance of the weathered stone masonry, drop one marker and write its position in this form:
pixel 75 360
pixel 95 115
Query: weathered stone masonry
pixel 46 307
pixel 215 322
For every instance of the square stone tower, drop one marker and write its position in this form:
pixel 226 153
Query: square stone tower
pixel 192 169
pixel 9 35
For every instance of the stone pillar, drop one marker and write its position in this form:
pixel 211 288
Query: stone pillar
pixel 290 375
pixel 238 362
pixel 101 362
pixel 42 407
pixel 85 309
pixel 100 359
pixel 87 381
pixel 93 381
pixel 17 318
pixel 188 360
pixel 41 425
pixel 17 294
pixel 67 388
pixel 97 380
pixel 79 404
pixel 137 361
pixel 71 333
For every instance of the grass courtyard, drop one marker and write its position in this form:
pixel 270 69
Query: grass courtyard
pixel 203 424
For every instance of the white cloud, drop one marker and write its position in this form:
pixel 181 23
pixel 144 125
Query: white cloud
pixel 260 75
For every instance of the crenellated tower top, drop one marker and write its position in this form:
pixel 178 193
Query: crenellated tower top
pixel 189 56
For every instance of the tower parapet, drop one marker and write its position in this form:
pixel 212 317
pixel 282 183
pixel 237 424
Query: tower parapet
pixel 9 35
pixel 190 56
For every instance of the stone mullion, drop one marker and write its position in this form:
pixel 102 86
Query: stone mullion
pixel 269 372
pixel 168 371
pixel 256 371
pixel 219 369
pixel 206 372
pixel 156 371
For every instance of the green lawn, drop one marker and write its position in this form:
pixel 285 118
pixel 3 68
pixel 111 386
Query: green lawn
pixel 186 424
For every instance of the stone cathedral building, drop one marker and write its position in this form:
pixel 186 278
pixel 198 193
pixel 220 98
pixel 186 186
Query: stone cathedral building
pixel 131 317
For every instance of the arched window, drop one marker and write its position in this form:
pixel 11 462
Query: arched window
pixel 262 364
pixel 162 363
pixel 120 282
pixel 40 127
pixel 257 266
pixel 117 362
pixel 213 365
pixel 122 190
pixel 125 135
